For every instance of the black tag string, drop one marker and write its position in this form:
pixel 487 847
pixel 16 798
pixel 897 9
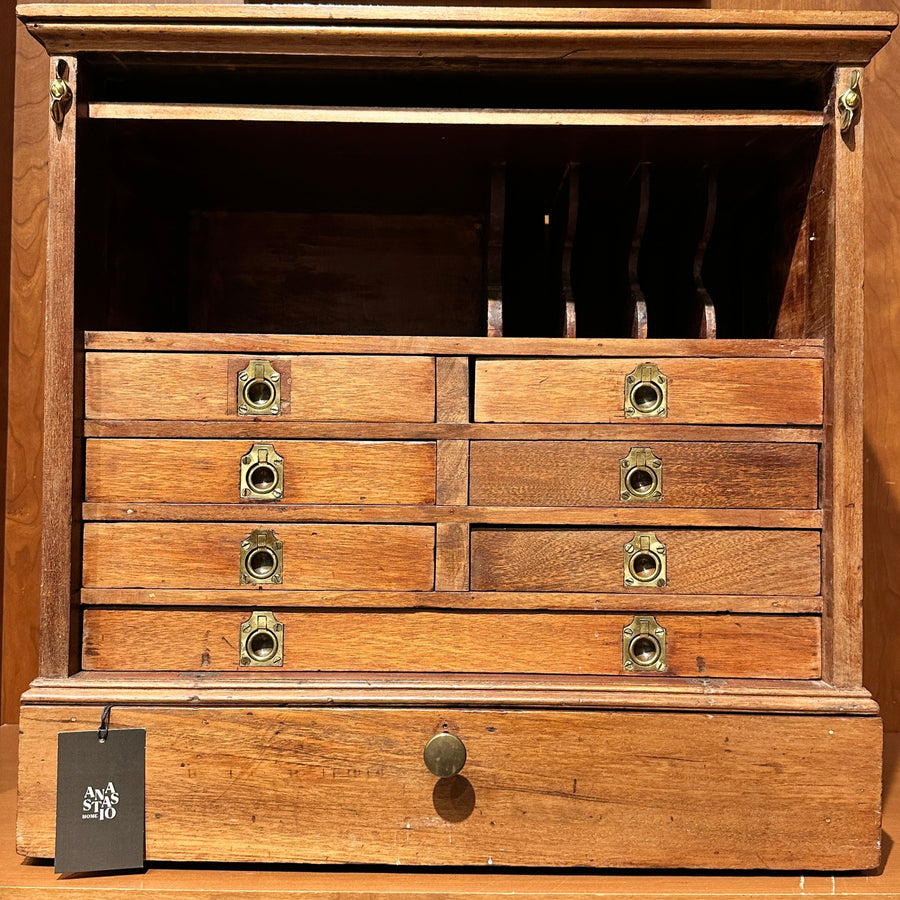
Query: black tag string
pixel 103 730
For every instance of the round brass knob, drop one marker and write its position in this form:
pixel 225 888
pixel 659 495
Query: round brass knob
pixel 445 755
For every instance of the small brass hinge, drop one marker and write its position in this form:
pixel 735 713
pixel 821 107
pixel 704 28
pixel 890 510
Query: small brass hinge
pixel 849 102
pixel 60 93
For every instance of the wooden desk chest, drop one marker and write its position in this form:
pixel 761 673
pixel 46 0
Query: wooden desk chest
pixel 453 433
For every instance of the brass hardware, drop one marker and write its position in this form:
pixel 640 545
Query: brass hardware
pixel 262 640
pixel 259 390
pixel 640 475
pixel 261 558
pixel 644 645
pixel 262 473
pixel 646 392
pixel 60 93
pixel 850 101
pixel 645 561
pixel 445 755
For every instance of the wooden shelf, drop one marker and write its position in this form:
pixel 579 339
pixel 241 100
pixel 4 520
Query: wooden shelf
pixel 207 112
pixel 24 879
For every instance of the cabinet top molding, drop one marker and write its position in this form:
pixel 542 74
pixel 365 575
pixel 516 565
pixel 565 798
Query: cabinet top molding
pixel 457 32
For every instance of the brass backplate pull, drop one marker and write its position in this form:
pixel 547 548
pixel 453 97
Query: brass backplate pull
pixel 850 101
pixel 261 558
pixel 262 640
pixel 640 475
pixel 646 392
pixel 258 389
pixel 644 646
pixel 60 93
pixel 645 561
pixel 262 473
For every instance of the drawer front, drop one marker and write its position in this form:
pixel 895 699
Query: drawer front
pixel 593 473
pixel 350 785
pixel 204 386
pixel 699 391
pixel 463 642
pixel 208 555
pixel 762 562
pixel 188 471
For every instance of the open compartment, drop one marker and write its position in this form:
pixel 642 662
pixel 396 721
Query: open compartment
pixel 357 218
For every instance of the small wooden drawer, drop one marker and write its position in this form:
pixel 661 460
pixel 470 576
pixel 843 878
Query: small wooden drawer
pixel 759 562
pixel 209 555
pixel 715 646
pixel 204 471
pixel 683 474
pixel 205 386
pixel 698 391
pixel 307 785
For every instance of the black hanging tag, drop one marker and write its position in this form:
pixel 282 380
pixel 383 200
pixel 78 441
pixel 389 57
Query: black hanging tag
pixel 100 799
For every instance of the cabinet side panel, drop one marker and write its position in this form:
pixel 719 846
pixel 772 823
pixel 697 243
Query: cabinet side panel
pixel 21 578
pixel 59 374
pixel 843 456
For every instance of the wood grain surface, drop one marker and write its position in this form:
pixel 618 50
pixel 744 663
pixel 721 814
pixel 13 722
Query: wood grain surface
pixel 262 344
pixel 208 112
pixel 59 527
pixel 370 690
pixel 638 515
pixel 449 597
pixel 22 532
pixel 676 19
pixel 711 562
pixel 7 108
pixel 185 882
pixel 321 388
pixel 257 429
pixel 398 32
pixel 323 472
pixel 881 481
pixel 719 646
pixel 588 473
pixel 344 785
pixel 722 391
pixel 349 557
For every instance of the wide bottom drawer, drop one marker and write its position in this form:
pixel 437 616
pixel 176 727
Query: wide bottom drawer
pixel 539 788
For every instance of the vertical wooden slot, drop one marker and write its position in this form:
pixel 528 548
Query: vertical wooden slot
pixel 495 252
pixel 637 304
pixel 706 311
pixel 568 297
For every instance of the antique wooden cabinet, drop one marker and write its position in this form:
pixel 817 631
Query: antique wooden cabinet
pixel 453 432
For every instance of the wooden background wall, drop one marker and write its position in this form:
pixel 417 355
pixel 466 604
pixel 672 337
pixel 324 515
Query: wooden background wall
pixel 18 623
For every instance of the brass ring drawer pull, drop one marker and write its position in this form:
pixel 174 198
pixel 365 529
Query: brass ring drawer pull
pixel 646 392
pixel 261 558
pixel 259 390
pixel 644 646
pixel 645 561
pixel 641 475
pixel 262 640
pixel 262 473
pixel 445 755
